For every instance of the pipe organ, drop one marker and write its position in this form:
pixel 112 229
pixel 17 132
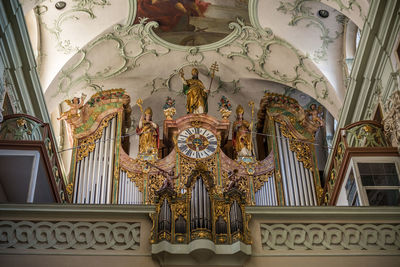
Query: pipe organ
pixel 97 129
pixel 94 172
pixel 290 130
pixel 199 192
pixel 128 192
pixel 200 207
pixel 298 183
pixel 266 195
pixel 102 171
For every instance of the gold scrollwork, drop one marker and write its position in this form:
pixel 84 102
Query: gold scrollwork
pixel 200 234
pixel 220 210
pixel 302 150
pixel 187 166
pixel 196 124
pixel 137 178
pixel 180 210
pixel 88 144
pixel 70 188
pixel 259 180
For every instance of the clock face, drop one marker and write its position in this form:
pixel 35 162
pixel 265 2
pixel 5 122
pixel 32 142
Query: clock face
pixel 197 143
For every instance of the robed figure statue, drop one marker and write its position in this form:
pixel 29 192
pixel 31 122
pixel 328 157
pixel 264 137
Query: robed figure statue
pixel 196 93
pixel 148 133
pixel 241 134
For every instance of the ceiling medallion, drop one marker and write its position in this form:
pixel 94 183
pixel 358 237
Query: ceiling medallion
pixel 323 13
pixel 60 5
pixel 192 23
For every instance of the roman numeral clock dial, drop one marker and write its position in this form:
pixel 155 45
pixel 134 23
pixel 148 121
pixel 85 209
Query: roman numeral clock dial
pixel 197 143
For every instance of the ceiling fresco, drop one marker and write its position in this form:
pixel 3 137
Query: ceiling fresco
pixel 192 22
pixel 97 45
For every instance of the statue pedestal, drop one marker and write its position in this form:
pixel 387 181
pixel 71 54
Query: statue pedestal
pixel 172 127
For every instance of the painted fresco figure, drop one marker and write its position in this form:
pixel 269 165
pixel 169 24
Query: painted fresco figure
pixel 148 133
pixel 172 15
pixel 241 134
pixel 196 93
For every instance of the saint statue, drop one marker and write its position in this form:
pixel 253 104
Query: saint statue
pixel 196 93
pixel 241 134
pixel 148 133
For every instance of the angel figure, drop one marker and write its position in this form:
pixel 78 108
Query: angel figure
pixel 315 114
pixel 76 104
pixel 169 177
pixel 234 180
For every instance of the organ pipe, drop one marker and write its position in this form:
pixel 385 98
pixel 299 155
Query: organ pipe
pixel 266 195
pixel 298 181
pixel 128 191
pixel 94 173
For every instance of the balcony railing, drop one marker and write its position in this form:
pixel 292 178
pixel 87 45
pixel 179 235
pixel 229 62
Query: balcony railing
pixel 24 132
pixel 362 136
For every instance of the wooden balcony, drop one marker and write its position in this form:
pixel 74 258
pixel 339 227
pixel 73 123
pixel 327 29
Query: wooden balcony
pixel 30 170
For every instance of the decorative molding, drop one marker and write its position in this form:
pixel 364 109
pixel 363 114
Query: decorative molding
pixel 242 43
pixel 160 83
pixel 84 7
pixel 69 235
pixel 375 98
pixel 348 6
pixel 300 12
pixel 391 122
pixel 345 237
pixel 8 87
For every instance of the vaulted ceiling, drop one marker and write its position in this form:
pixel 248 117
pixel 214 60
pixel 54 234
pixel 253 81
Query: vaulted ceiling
pixel 92 45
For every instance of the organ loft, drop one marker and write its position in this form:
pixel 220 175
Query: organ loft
pixel 245 133
pixel 199 171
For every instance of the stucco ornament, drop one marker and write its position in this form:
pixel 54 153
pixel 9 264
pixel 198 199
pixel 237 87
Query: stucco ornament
pixel 70 235
pixel 312 237
pixel 391 122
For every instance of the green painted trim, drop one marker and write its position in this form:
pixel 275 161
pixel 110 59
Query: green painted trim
pixel 326 213
pixel 272 139
pixel 219 169
pixel 40 211
pixel 370 64
pixel 92 119
pixel 117 146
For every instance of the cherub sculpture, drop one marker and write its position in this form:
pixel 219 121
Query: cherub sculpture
pixel 316 114
pixel 76 104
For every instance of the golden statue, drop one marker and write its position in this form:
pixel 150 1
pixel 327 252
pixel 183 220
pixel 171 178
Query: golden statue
pixel 241 134
pixel 148 133
pixel 196 93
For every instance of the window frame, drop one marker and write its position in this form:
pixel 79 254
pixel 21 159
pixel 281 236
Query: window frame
pixel 364 201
